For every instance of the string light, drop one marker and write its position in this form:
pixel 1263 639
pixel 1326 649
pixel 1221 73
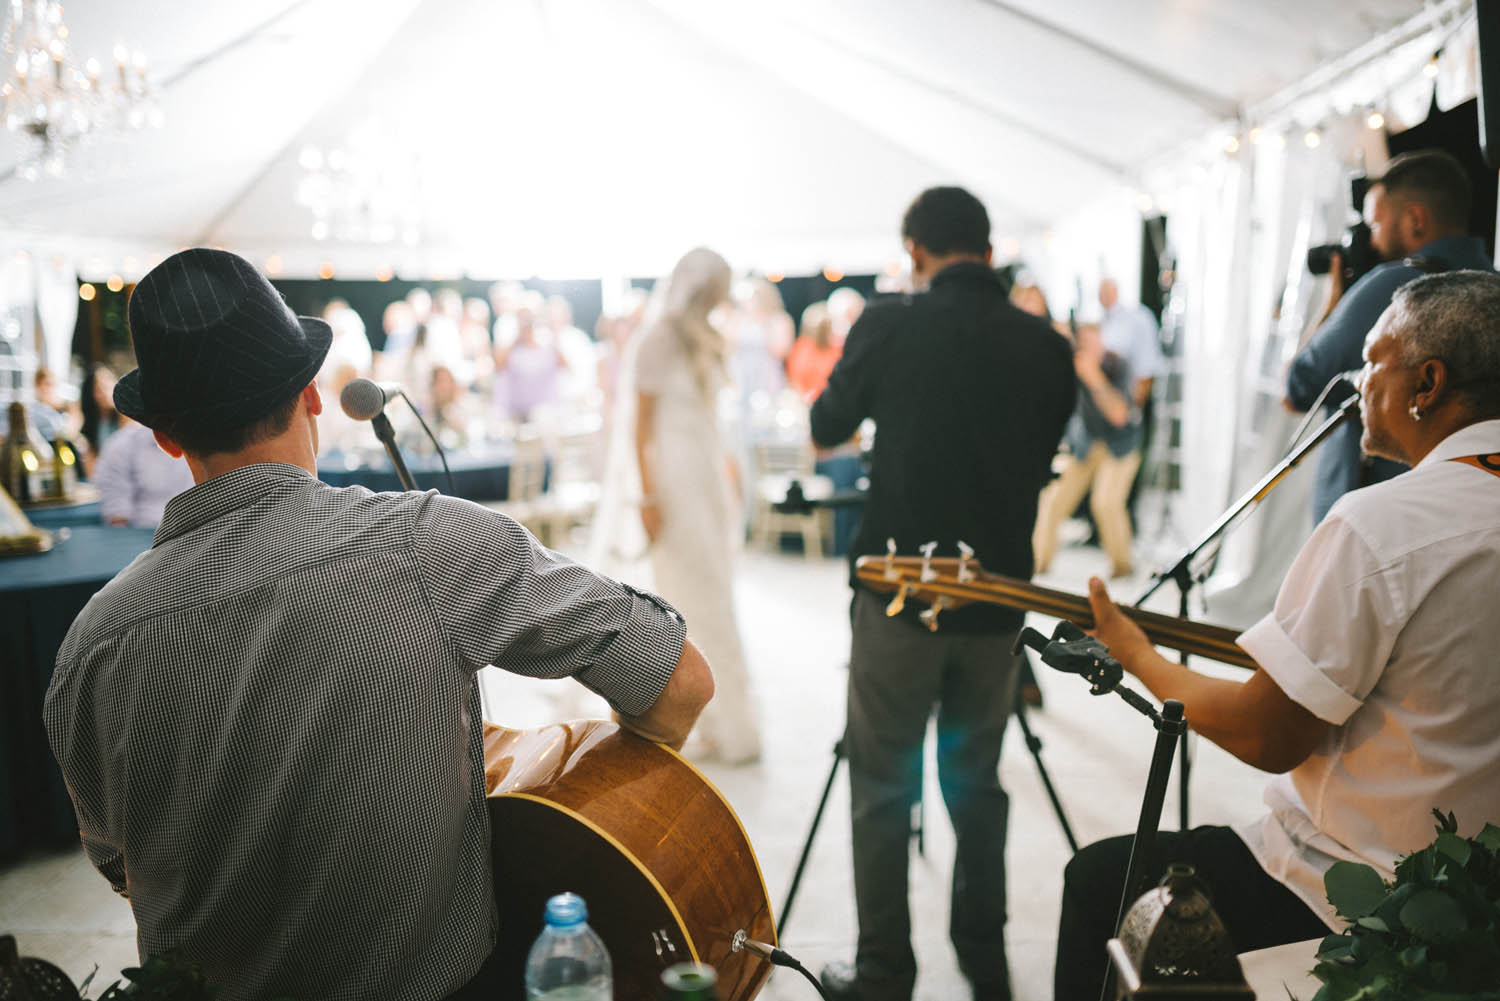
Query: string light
pixel 1430 71
pixel 1376 120
pixel 833 275
pixel 325 270
pixel 1232 144
pixel 385 274
pixel 1256 135
pixel 86 292
pixel 274 265
pixel 775 277
pixel 114 283
pixel 1311 138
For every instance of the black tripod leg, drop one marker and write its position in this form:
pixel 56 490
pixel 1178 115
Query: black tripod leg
pixel 1034 745
pixel 812 832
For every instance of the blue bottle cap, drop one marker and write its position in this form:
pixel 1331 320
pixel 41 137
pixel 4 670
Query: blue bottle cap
pixel 566 909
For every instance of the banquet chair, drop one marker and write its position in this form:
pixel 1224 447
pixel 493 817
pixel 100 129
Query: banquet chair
pixel 572 492
pixel 527 478
pixel 777 463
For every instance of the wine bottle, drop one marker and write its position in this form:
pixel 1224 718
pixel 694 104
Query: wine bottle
pixel 27 461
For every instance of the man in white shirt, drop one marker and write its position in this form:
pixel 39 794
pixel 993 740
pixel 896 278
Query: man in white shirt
pixel 136 478
pixel 1131 332
pixel 1375 702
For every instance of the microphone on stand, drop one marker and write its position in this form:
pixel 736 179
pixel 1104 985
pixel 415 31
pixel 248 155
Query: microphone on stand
pixel 365 400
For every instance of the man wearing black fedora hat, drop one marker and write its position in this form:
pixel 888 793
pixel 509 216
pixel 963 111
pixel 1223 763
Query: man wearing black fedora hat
pixel 269 722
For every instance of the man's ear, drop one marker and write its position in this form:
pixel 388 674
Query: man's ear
pixel 989 255
pixel 1432 382
pixel 167 444
pixel 918 255
pixel 312 398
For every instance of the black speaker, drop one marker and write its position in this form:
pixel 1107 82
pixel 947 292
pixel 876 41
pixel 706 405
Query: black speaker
pixel 1488 15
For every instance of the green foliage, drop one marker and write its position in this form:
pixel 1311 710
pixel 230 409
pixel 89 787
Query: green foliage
pixel 1433 934
pixel 162 978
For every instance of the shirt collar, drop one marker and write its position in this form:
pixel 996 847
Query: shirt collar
pixel 1480 438
pixel 960 271
pixel 222 494
pixel 1452 248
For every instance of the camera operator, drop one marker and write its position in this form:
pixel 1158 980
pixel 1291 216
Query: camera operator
pixel 1418 215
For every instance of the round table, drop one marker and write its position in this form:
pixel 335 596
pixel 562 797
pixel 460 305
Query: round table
pixel 40 596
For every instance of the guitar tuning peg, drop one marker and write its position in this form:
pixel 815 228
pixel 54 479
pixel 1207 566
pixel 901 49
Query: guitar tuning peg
pixel 965 554
pixel 927 549
pixel 929 616
pixel 891 573
pixel 898 602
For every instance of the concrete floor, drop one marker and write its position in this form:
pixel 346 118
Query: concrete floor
pixel 794 617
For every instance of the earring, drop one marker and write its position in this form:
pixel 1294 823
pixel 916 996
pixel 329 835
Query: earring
pixel 1415 411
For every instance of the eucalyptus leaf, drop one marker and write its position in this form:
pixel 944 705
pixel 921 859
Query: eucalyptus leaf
pixel 1354 890
pixel 1434 916
pixel 1490 837
pixel 1454 847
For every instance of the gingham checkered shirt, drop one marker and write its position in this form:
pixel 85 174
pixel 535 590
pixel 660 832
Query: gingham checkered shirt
pixel 270 726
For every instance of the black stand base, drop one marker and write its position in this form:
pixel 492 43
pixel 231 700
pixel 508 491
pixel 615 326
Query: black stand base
pixel 1033 745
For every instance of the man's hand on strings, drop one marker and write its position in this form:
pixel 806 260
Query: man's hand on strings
pixel 1123 637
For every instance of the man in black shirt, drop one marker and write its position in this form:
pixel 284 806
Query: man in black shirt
pixel 969 396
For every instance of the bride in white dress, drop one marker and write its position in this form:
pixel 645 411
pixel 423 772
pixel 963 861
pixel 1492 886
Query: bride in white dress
pixel 667 491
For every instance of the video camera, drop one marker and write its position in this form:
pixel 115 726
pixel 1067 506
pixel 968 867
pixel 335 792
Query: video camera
pixel 1356 254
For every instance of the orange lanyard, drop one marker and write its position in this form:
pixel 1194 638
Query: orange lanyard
pixel 1490 462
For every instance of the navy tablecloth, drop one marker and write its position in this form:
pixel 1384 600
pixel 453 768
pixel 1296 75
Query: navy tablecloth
pixel 69 515
pixel 473 478
pixel 40 596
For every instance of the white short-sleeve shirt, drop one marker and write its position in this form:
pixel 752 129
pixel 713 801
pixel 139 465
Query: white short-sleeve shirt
pixel 1388 627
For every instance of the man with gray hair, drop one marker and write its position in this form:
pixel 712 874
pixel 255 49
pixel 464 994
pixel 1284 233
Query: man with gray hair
pixel 1375 700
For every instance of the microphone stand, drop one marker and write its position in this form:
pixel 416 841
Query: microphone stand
pixel 1073 651
pixel 381 424
pixel 1181 571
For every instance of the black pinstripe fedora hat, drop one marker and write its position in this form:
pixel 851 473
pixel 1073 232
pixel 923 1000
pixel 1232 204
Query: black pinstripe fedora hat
pixel 215 343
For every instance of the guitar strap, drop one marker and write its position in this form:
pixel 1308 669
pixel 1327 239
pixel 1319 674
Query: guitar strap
pixel 1489 462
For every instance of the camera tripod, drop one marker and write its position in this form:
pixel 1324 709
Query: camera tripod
pixel 1033 745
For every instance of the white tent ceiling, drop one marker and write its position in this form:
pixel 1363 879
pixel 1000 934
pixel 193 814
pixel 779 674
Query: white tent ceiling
pixel 578 137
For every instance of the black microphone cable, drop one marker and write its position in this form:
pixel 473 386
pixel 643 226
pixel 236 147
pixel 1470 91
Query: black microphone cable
pixel 452 490
pixel 776 957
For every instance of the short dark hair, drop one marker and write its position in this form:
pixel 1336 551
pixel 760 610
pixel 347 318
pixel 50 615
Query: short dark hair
pixel 1435 178
pixel 193 435
pixel 947 220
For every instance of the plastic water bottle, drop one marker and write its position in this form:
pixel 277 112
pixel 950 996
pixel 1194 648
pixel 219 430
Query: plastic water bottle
pixel 568 961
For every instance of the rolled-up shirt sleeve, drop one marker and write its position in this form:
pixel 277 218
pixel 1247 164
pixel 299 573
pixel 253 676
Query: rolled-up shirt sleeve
pixel 1329 637
pixel 504 599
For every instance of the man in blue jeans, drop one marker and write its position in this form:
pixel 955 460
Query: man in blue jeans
pixel 969 396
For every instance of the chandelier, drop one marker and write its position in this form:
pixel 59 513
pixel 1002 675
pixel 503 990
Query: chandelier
pixel 369 190
pixel 48 97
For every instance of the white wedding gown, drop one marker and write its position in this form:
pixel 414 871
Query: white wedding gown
pixel 691 561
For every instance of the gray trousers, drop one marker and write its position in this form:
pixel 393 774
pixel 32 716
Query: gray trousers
pixel 898 674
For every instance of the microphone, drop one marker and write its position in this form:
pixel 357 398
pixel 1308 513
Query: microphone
pixel 364 399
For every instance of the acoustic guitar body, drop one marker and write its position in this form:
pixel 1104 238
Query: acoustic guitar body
pixel 661 859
